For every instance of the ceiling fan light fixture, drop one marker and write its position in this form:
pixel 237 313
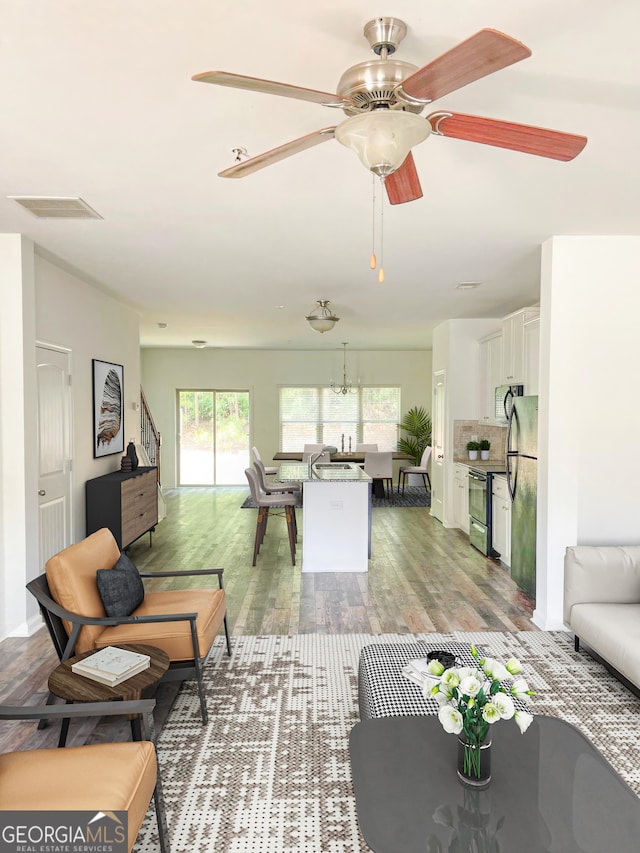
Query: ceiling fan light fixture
pixel 382 139
pixel 322 319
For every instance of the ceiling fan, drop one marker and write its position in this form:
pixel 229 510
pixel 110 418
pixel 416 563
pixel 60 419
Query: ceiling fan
pixel 383 98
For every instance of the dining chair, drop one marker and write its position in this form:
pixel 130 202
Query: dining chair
pixel 268 469
pixel 322 457
pixel 271 504
pixel 416 469
pixel 379 466
pixel 312 448
pixel 364 448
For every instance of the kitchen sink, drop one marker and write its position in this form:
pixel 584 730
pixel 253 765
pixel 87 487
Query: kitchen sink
pixel 336 466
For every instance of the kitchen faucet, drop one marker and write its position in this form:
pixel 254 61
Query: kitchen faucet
pixel 314 458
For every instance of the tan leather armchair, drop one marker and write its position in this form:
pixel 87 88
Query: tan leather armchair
pixel 97 777
pixel 181 622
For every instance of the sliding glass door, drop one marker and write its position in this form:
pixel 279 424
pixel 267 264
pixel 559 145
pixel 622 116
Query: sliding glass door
pixel 213 437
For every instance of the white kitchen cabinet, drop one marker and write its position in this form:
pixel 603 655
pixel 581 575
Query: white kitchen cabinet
pixel 461 496
pixel 490 376
pixel 501 519
pixel 531 356
pixel 513 362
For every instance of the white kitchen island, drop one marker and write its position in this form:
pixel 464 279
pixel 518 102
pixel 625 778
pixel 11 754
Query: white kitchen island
pixel 336 516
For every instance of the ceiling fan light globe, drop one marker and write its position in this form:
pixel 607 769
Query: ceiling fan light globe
pixel 383 138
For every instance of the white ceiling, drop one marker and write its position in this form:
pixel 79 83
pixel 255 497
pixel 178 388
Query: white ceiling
pixel 97 101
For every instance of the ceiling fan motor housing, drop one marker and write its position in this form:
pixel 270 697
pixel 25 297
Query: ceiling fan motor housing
pixel 372 84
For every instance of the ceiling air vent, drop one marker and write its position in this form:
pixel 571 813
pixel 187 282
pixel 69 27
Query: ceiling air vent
pixel 56 208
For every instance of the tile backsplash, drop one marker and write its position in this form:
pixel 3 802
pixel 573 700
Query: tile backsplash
pixel 463 430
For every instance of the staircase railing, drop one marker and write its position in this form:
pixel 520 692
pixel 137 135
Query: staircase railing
pixel 150 438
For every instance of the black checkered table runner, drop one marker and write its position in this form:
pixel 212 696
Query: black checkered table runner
pixel 383 691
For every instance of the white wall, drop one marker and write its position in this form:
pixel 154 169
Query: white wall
pixel 92 324
pixel 261 372
pixel 18 466
pixel 589 465
pixel 456 350
pixel 43 302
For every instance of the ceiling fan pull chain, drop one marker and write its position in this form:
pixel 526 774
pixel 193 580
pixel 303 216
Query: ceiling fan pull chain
pixel 381 271
pixel 373 261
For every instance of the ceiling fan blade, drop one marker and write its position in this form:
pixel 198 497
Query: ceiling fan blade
pixel 481 54
pixel 403 184
pixel 261 160
pixel 506 134
pixel 270 87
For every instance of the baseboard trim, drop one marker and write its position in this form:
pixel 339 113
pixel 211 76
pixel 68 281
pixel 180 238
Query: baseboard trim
pixel 28 628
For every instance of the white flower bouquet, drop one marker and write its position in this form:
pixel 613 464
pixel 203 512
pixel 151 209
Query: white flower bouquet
pixel 472 699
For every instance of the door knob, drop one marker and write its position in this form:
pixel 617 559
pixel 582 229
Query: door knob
pixel 42 493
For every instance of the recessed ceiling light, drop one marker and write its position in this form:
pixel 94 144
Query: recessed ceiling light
pixel 199 344
pixel 467 285
pixel 162 325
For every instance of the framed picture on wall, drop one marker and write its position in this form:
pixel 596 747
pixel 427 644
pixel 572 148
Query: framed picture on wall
pixel 108 408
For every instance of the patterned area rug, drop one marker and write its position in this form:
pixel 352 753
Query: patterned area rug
pixel 413 496
pixel 271 774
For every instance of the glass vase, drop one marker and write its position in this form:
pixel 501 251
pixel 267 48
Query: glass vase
pixel 474 762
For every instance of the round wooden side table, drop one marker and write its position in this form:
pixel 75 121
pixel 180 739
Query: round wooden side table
pixel 72 687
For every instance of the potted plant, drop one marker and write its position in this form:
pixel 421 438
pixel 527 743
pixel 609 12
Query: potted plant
pixel 417 426
pixel 473 447
pixel 485 444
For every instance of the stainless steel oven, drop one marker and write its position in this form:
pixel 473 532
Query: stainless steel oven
pixel 480 510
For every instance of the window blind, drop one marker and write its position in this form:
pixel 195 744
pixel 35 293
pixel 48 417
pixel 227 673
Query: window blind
pixel 316 415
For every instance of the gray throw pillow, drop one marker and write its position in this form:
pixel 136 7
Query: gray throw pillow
pixel 121 588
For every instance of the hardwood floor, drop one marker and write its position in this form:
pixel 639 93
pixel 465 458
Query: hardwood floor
pixel 422 577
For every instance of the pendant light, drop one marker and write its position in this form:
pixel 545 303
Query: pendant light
pixel 322 318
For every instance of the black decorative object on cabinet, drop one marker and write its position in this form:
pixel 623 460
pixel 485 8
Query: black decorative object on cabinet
pixel 132 454
pixel 124 501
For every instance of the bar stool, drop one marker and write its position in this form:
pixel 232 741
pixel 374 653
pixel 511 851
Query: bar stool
pixel 267 503
pixel 270 469
pixel 268 486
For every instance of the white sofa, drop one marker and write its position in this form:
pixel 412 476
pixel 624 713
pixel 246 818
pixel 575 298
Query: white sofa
pixel 602 604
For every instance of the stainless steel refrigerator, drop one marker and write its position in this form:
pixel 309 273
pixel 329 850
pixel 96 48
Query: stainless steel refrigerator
pixel 522 479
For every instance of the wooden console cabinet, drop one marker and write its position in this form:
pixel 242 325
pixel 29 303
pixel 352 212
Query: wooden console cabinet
pixel 125 502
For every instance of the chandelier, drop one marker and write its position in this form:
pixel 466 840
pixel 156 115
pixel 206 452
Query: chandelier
pixel 346 387
pixel 322 318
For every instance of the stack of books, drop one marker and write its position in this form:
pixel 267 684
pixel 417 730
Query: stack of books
pixel 111 665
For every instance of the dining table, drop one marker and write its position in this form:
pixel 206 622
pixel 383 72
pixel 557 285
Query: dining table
pixel 355 456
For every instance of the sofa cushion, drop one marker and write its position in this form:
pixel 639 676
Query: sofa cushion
pixel 98 777
pixel 613 632
pixel 71 575
pixel 605 573
pixel 121 588
pixel 174 638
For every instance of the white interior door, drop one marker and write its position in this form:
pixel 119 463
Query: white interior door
pixel 438 442
pixel 54 451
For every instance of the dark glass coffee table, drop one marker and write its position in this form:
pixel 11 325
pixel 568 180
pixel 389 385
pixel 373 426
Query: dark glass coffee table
pixel 551 791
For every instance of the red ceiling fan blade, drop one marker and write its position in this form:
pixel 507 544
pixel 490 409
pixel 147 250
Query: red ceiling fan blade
pixel 481 54
pixel 506 134
pixel 403 184
pixel 269 87
pixel 287 150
